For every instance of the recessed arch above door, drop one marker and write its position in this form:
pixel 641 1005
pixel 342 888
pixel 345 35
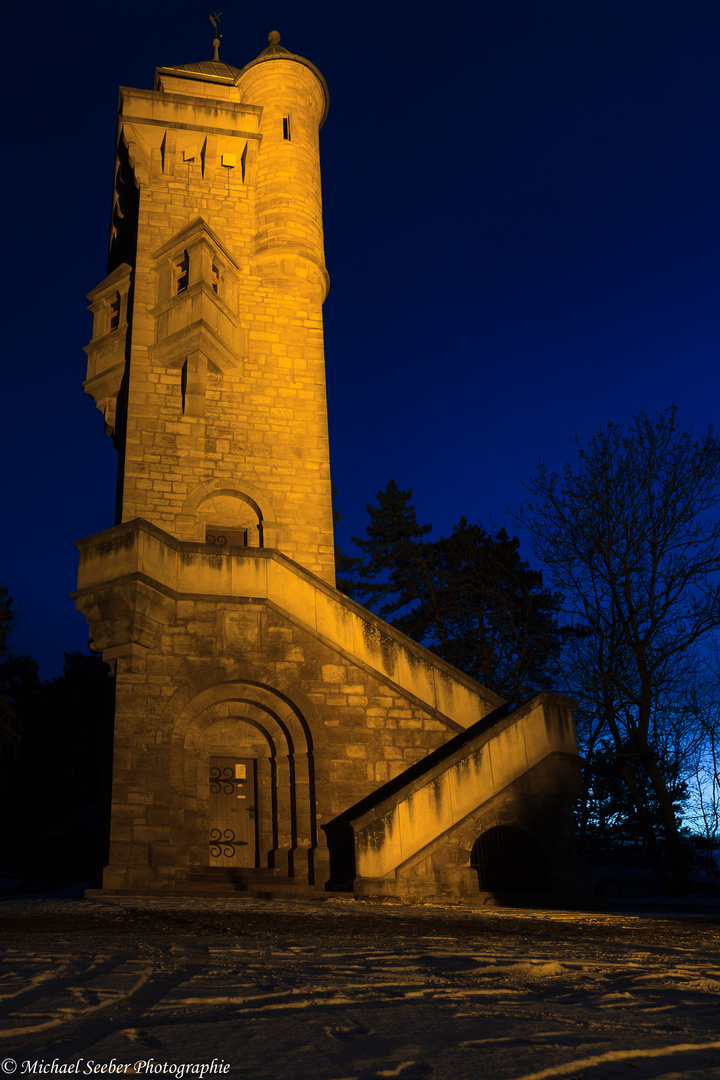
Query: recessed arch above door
pixel 241 516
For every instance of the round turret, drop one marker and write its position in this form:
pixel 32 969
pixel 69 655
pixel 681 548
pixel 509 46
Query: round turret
pixel 288 200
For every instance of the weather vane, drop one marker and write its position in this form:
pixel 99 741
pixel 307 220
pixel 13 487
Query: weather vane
pixel 215 19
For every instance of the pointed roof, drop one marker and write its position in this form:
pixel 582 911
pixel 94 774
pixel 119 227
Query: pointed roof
pixel 210 70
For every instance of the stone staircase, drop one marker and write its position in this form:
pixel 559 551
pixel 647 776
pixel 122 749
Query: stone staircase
pixel 413 838
pixel 256 882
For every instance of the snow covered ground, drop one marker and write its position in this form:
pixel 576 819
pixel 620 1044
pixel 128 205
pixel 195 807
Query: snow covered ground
pixel 337 990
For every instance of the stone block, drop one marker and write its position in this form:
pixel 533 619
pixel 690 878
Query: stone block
pixel 333 673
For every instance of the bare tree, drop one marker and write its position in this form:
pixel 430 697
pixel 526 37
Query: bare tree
pixel 630 540
pixel 704 784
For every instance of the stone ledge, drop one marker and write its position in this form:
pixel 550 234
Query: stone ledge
pixel 139 551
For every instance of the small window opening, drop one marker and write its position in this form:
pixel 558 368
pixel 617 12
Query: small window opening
pixel 183 385
pixel 115 312
pixel 216 534
pixel 286 128
pixel 182 269
pixel 215 278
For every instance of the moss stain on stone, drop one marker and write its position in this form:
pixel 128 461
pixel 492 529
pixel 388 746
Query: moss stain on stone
pixel 438 790
pixel 116 544
pixel 375 835
pixel 418 661
pixel 212 562
pixel 377 642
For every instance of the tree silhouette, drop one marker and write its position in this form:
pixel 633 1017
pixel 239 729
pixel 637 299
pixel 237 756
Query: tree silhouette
pixel 629 539
pixel 469 597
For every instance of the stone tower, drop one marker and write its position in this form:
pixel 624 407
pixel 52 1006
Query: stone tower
pixel 269 733
pixel 207 351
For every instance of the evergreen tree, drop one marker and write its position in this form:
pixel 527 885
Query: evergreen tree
pixel 468 597
pixel 609 817
pixel 395 567
pixel 499 623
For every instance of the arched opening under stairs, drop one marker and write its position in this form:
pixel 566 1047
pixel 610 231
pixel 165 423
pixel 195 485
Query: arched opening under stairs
pixel 508 859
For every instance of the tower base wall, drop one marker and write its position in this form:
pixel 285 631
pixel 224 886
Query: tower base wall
pixel 255 704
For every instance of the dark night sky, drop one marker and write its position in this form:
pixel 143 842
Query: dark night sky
pixel 522 226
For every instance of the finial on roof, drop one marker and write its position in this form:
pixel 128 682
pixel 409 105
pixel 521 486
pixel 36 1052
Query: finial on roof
pixel 215 19
pixel 274 37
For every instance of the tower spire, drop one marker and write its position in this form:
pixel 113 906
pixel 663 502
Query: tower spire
pixel 215 19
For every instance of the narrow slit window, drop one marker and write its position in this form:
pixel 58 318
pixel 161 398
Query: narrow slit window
pixel 216 278
pixel 114 312
pixel 182 269
pixel 286 127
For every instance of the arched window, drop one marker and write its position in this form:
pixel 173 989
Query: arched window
pixel 508 859
pixel 230 520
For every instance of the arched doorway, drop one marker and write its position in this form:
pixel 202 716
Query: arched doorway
pixel 509 859
pixel 244 759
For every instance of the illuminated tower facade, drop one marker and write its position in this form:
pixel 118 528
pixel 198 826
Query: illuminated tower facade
pixel 269 733
pixel 207 352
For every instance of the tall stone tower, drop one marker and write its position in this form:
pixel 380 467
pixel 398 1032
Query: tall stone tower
pixel 269 733
pixel 207 351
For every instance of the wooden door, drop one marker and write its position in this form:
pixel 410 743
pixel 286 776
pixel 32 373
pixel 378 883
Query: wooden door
pixel 232 811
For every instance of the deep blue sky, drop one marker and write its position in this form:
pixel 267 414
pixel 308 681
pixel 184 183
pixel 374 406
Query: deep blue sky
pixel 522 225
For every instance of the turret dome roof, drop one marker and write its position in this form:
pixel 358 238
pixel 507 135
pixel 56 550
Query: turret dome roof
pixel 275 51
pixel 218 72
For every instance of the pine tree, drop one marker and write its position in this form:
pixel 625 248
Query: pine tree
pixel 395 567
pixel 469 597
pixel 499 623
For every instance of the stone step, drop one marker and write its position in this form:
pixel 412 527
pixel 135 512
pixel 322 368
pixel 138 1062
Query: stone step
pixel 241 877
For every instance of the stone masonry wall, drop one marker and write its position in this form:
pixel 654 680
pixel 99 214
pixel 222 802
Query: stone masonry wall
pixel 361 732
pixel 226 381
